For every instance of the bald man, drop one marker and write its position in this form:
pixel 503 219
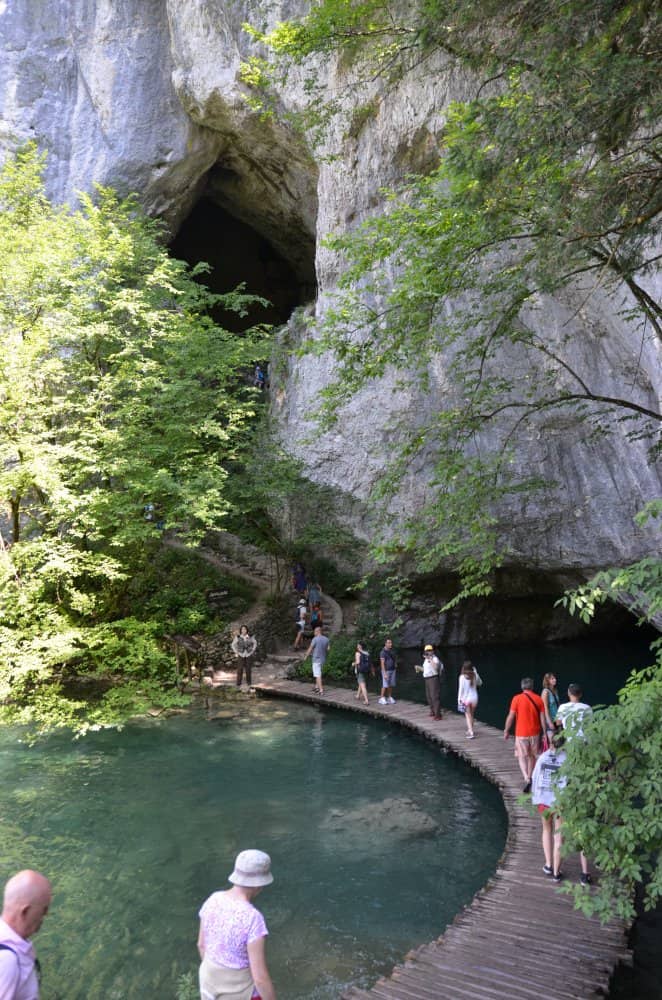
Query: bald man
pixel 26 900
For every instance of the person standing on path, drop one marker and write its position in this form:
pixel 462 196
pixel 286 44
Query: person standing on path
pixel 388 664
pixel 26 900
pixel 528 713
pixel 432 670
pixel 319 648
pixel 362 669
pixel 467 695
pixel 233 933
pixel 244 646
pixel 300 623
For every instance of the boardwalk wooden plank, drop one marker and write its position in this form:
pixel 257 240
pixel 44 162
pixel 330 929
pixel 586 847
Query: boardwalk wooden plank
pixel 498 945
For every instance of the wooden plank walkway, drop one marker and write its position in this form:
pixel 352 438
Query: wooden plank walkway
pixel 518 937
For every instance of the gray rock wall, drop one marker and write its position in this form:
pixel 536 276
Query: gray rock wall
pixel 144 95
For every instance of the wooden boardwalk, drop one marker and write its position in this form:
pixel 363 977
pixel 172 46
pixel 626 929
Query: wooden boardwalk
pixel 519 937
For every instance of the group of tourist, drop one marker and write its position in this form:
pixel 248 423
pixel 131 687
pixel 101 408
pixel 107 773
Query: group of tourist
pixel 231 941
pixel 542 726
pixel 309 608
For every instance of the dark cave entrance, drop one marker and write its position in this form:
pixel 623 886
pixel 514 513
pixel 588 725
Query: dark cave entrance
pixel 237 253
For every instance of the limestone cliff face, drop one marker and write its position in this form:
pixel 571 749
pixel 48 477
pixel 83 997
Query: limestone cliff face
pixel 144 95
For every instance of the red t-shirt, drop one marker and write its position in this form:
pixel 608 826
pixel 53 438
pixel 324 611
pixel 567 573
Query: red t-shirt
pixel 527 708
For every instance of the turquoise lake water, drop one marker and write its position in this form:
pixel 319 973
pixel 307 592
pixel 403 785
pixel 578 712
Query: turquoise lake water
pixel 137 827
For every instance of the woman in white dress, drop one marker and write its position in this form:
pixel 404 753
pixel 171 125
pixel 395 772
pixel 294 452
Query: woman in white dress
pixel 467 695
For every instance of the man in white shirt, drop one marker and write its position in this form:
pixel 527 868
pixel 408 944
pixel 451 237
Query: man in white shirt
pixel 26 900
pixel 574 713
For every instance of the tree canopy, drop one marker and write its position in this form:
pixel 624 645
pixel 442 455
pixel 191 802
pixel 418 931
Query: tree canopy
pixel 121 405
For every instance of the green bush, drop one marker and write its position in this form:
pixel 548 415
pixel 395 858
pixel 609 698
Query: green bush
pixel 172 591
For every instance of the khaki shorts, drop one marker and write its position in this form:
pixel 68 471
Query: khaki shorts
pixel 527 746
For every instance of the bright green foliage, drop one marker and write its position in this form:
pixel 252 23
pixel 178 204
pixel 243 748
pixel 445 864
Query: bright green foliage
pixel 121 405
pixel 278 509
pixel 612 805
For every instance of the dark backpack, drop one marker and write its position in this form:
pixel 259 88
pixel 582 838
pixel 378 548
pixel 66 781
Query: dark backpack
pixel 364 663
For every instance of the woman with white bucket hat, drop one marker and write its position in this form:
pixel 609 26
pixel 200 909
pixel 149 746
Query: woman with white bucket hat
pixel 233 933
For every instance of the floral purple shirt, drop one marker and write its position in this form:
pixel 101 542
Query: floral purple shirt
pixel 228 927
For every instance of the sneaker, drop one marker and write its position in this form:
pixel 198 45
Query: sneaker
pixel 585 879
pixel 548 870
pixel 383 701
pixel 557 877
pixel 391 701
pixel 471 736
pixel 437 718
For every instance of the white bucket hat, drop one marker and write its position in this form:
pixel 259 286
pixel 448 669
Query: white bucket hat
pixel 252 869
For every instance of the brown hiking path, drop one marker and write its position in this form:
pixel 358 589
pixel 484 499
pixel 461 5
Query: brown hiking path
pixel 519 937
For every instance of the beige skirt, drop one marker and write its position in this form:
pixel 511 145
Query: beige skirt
pixel 217 981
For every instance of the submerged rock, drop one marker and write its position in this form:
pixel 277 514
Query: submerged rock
pixel 399 817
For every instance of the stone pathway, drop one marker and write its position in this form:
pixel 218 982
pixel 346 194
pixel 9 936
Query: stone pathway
pixel 519 937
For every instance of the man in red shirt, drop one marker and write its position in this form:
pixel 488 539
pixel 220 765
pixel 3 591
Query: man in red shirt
pixel 527 711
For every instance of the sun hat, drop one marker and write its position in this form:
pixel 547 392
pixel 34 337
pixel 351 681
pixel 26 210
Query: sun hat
pixel 301 602
pixel 252 869
pixel 429 649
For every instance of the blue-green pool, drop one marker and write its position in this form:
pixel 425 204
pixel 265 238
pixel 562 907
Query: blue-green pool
pixel 137 827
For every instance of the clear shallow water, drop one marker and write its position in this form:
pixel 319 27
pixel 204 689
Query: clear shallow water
pixel 137 828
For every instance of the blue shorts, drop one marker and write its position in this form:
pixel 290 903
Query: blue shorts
pixel 388 678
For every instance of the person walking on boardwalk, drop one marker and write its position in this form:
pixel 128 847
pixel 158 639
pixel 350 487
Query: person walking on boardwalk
pixel 528 713
pixel 551 701
pixel 467 695
pixel 574 714
pixel 243 647
pixel 362 669
pixel 319 649
pixel 388 664
pixel 545 782
pixel 300 619
pixel 232 935
pixel 432 670
pixel 27 897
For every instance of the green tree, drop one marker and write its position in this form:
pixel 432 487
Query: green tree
pixel 121 405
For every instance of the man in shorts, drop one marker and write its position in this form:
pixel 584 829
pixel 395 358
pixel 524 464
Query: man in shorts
pixel 387 663
pixel 527 711
pixel 319 648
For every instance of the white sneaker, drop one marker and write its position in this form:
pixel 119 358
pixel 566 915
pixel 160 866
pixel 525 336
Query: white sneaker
pixel 383 701
pixel 391 701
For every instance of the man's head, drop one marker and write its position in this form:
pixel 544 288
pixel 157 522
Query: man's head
pixel 428 651
pixel 527 684
pixel 318 630
pixel 388 644
pixel 26 900
pixel 574 692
